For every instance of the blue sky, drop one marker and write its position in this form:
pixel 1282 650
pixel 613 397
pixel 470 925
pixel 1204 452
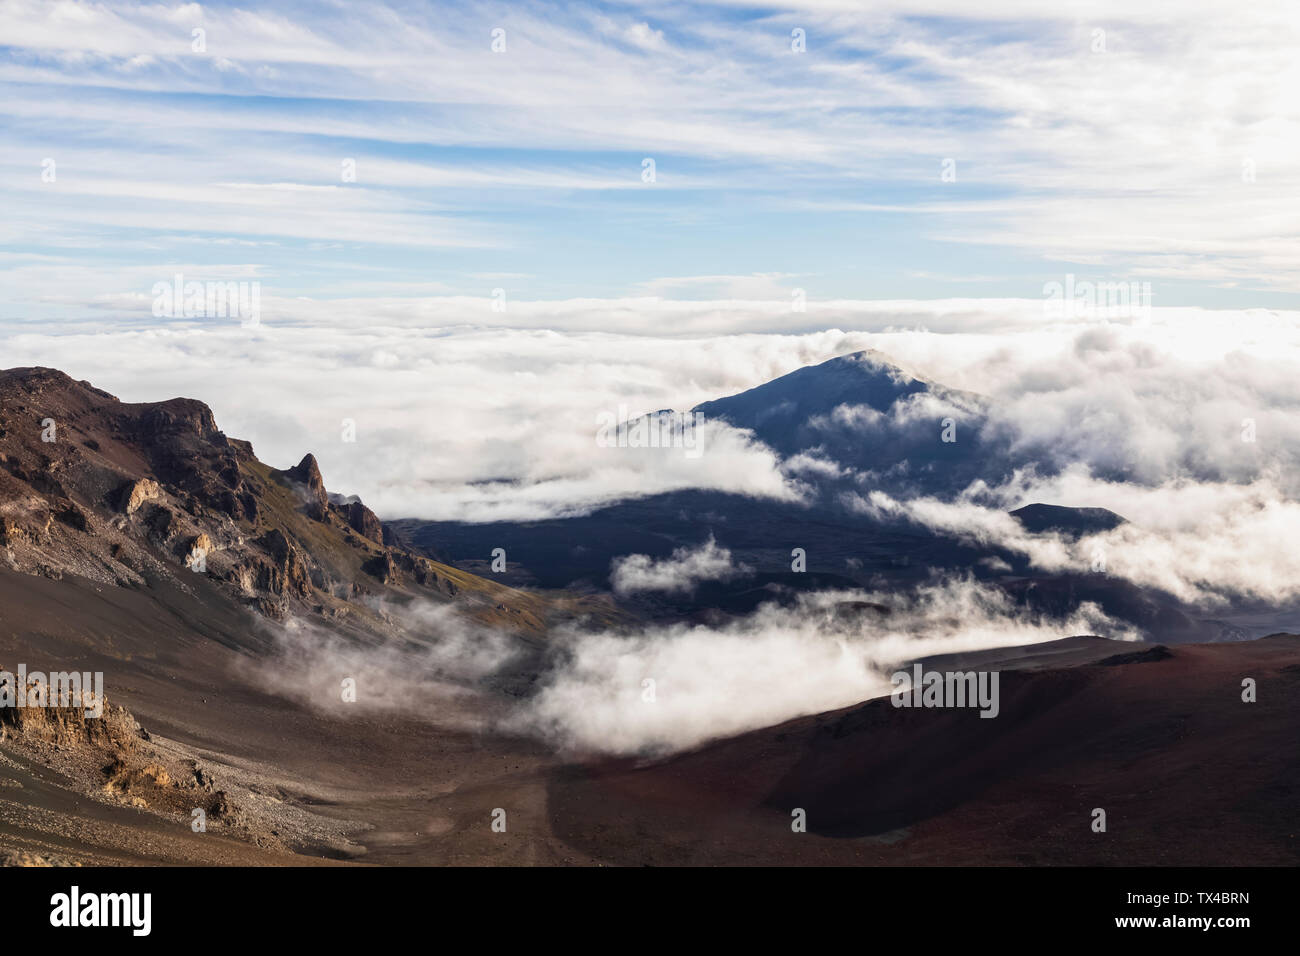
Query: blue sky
pixel 1117 155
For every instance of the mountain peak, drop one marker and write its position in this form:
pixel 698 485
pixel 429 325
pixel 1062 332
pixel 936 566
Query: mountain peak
pixel 865 378
pixel 306 474
pixel 880 424
pixel 307 470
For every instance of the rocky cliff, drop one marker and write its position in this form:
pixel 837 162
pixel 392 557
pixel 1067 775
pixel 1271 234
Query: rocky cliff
pixel 128 494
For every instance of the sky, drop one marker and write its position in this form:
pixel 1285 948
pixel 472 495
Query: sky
pixel 448 216
pixel 360 151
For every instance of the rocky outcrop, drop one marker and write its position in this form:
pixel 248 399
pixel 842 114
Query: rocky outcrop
pixel 136 493
pixel 11 532
pixel 196 557
pixel 179 417
pixel 365 523
pixel 287 574
pixel 307 478
pixel 421 569
pixel 15 531
pixel 67 725
pixel 25 518
pixel 382 568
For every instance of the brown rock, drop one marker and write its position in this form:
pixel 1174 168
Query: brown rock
pixel 288 574
pixel 383 568
pixel 200 548
pixel 74 517
pixel 365 522
pixel 136 493
pixel 306 475
pixel 11 532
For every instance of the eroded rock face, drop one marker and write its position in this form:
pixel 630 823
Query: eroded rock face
pixel 131 494
pixel 69 725
pixel 71 514
pixel 114 758
pixel 19 531
pixel 196 557
pixel 365 523
pixel 11 532
pixel 136 493
pixel 383 568
pixel 287 573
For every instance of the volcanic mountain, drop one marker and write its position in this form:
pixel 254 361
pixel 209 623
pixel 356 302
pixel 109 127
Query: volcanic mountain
pixel 893 430
pixel 865 424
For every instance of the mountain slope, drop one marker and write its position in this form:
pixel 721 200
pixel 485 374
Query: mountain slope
pixel 1187 773
pixel 133 494
pixel 223 601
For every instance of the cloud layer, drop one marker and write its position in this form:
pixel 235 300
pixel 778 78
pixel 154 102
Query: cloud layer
pixel 666 688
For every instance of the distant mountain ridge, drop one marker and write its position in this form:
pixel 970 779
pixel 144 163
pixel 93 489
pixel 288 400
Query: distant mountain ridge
pixel 864 423
pixel 1044 518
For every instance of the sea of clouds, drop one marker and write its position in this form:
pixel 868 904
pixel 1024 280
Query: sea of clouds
pixel 1146 416
pixel 496 419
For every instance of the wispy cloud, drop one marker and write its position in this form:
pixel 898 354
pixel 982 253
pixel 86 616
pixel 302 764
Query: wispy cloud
pixel 1093 134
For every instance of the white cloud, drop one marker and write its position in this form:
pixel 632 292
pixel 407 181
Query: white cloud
pixel 458 417
pixel 665 688
pixel 774 665
pixel 1205 543
pixel 678 574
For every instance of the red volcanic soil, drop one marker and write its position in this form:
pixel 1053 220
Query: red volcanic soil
pixel 1187 772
